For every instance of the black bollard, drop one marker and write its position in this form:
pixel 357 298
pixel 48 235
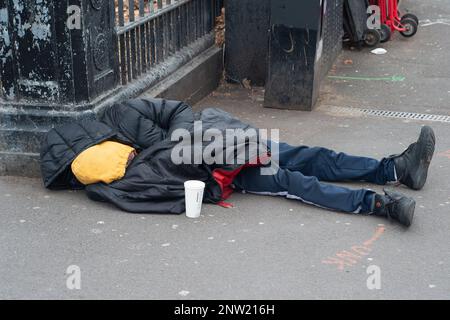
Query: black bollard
pixel 305 38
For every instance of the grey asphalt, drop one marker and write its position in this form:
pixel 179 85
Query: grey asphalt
pixel 264 247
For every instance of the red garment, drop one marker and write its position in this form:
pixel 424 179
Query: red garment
pixel 225 178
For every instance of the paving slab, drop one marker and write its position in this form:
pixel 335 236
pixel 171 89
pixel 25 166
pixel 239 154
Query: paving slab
pixel 264 247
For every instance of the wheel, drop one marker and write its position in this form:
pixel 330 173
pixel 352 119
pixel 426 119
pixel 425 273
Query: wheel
pixel 385 33
pixel 411 27
pixel 372 37
pixel 410 16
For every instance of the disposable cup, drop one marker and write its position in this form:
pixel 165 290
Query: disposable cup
pixel 193 190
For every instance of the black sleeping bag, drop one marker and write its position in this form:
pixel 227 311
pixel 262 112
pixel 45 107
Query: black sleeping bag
pixel 153 183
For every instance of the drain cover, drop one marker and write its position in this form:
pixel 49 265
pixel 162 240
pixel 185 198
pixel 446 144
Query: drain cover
pixel 389 114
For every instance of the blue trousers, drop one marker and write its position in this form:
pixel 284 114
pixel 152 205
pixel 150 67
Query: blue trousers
pixel 303 171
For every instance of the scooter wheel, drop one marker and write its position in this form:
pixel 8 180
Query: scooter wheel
pixel 411 27
pixel 372 37
pixel 385 33
pixel 411 16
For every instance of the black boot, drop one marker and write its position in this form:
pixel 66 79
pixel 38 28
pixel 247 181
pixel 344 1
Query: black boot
pixel 412 165
pixel 395 206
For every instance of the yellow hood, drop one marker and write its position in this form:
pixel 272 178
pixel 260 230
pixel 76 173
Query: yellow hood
pixel 104 162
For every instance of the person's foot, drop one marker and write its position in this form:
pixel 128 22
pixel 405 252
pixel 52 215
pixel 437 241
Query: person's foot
pixel 396 206
pixel 412 165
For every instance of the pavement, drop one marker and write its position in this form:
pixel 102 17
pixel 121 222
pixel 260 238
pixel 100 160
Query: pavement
pixel 264 247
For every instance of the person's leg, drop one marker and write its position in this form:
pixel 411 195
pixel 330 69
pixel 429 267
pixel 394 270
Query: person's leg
pixel 327 165
pixel 294 185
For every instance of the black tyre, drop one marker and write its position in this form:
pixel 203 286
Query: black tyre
pixel 411 27
pixel 385 33
pixel 411 16
pixel 372 37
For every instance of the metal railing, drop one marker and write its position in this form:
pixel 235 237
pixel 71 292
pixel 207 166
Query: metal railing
pixel 150 31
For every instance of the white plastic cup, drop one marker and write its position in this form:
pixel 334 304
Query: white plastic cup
pixel 193 190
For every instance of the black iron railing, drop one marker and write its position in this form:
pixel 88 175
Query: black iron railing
pixel 150 31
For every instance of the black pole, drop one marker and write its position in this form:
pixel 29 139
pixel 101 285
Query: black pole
pixel 305 39
pixel 295 46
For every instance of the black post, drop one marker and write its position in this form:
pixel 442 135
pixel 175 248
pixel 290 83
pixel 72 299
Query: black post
pixel 295 49
pixel 51 71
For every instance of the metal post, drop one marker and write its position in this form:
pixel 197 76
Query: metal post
pixel 300 30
